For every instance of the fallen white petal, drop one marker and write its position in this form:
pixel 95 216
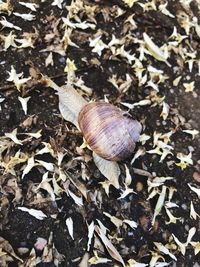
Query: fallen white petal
pixel 69 223
pixel 38 214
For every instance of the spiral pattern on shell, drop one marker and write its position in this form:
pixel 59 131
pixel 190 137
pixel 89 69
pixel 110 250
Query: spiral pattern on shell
pixel 107 131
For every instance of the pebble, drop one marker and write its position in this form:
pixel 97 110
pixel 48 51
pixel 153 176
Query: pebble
pixel 196 176
pixel 191 148
pixel 184 206
pixel 187 228
pixel 62 60
pixel 139 186
pixel 22 251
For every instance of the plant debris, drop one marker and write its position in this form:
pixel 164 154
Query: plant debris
pixel 63 205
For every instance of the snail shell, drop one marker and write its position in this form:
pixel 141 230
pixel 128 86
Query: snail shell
pixel 107 131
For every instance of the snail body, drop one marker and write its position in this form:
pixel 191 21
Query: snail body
pixel 107 131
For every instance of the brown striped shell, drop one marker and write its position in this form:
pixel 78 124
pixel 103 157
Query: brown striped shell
pixel 107 131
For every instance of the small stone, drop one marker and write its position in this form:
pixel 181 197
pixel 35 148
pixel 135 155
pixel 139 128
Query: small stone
pixel 196 176
pixel 40 243
pixel 184 206
pixel 139 187
pixel 22 251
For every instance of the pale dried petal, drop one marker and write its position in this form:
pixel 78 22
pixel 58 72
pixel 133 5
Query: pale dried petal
pixel 24 102
pixel 164 250
pixel 38 214
pixel 154 50
pixel 28 17
pixel 7 24
pixel 31 6
pixel 69 223
pixel 117 222
pixel 57 3
pixel 194 189
pixel 109 246
pixel 77 200
pixel 13 137
pixel 193 213
pixel 91 227
pixel 192 132
pixel 30 164
pixel 132 224
pixel 47 165
pixel 160 203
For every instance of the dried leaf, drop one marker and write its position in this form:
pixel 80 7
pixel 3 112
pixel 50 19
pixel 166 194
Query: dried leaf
pixel 109 246
pixel 109 169
pixel 154 50
pixel 5 245
pixel 160 203
pixel 84 260
pixel 46 186
pixel 117 222
pixel 80 186
pixel 77 200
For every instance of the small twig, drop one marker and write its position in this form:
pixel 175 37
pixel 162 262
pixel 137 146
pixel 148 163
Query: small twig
pixel 12 86
pixel 7 87
pixel 142 172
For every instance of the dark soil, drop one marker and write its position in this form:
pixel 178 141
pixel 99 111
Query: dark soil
pixel 19 228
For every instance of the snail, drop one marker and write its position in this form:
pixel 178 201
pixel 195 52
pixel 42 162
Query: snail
pixel 107 131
